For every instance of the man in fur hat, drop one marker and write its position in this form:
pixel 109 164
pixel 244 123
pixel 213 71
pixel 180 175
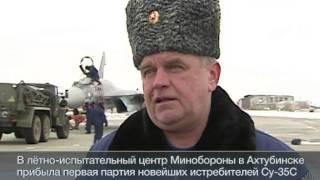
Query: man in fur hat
pixel 175 46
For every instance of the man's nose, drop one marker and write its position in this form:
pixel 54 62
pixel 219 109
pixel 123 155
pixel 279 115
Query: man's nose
pixel 161 79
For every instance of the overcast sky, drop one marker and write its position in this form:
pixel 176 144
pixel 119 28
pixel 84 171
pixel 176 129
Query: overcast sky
pixel 267 46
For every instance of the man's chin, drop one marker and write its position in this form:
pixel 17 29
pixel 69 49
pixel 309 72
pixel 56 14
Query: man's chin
pixel 167 118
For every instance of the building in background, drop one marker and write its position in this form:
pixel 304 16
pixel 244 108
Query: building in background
pixel 273 102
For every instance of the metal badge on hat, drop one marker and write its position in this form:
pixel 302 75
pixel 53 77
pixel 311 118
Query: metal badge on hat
pixel 153 17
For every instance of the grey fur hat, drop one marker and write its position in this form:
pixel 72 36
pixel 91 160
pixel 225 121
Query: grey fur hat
pixel 186 26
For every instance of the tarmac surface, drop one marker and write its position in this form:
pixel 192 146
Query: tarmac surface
pixel 284 128
pixel 287 129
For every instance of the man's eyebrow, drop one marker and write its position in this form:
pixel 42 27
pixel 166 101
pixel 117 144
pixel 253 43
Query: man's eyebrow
pixel 145 66
pixel 174 61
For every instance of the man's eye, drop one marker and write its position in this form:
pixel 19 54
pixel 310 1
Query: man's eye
pixel 147 72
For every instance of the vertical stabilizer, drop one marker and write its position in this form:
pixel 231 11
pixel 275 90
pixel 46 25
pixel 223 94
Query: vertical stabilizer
pixel 102 64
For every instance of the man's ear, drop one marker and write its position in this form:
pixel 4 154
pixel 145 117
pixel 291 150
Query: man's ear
pixel 214 70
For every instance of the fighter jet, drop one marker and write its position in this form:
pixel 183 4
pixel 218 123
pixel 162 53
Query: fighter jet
pixel 85 90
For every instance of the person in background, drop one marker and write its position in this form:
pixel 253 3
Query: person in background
pixel 99 118
pixel 106 119
pixel 92 73
pixel 88 107
pixel 77 117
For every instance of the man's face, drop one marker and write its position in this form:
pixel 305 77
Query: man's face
pixel 177 88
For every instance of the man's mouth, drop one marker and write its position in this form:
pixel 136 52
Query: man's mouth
pixel 164 99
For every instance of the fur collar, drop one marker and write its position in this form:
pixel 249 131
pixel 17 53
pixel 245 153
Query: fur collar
pixel 228 128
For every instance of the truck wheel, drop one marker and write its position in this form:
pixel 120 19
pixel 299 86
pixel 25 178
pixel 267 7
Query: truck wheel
pixel 18 133
pixel 45 128
pixel 62 131
pixel 33 134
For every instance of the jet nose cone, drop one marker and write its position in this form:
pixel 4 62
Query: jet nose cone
pixel 76 97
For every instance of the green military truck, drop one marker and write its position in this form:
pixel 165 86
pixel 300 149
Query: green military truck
pixel 31 111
